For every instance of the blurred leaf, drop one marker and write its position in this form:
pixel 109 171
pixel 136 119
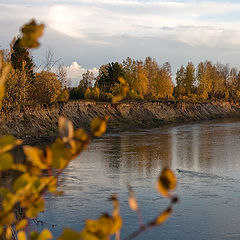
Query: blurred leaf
pixel 99 126
pixel 65 128
pixel 22 224
pixel 69 234
pixel 8 233
pixel 30 34
pixel 116 207
pixel 45 235
pixel 35 156
pixel 8 142
pixel 19 167
pixel 22 182
pixel 48 157
pixel 35 208
pixel 163 216
pixel 5 193
pixel 132 202
pixel 9 219
pixel 6 161
pixel 60 154
pixel 22 236
pixel 123 91
pixel 52 185
pixel 81 135
pixel 166 182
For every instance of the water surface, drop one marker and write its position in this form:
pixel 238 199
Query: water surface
pixel 208 156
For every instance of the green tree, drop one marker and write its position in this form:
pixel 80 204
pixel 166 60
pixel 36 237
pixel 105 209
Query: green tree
pixel 21 59
pixel 180 77
pixel 189 80
pixel 108 76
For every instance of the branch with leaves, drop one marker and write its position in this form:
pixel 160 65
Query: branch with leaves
pixel 43 167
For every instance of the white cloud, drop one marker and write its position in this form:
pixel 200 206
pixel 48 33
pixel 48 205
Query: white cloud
pixel 80 29
pixel 191 22
pixel 186 21
pixel 75 71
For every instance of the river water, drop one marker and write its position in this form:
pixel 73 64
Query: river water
pixel 208 156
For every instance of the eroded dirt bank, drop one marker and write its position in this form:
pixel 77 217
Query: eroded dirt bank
pixel 39 122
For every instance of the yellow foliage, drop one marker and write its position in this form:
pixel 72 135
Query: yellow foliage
pixel 99 126
pixel 47 87
pixel 123 91
pixel 166 182
pixel 30 34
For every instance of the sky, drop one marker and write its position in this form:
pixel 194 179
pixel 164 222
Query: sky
pixel 88 33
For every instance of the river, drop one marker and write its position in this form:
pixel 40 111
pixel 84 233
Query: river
pixel 208 156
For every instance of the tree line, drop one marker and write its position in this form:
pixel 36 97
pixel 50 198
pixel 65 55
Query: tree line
pixel 151 81
pixel 146 80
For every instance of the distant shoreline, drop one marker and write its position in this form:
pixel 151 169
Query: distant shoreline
pixel 40 123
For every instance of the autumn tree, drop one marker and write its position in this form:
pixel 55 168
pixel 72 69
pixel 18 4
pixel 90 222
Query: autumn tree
pixel 164 84
pixel 47 86
pixel 131 67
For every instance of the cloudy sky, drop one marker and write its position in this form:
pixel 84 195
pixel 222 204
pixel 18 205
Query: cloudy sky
pixel 88 33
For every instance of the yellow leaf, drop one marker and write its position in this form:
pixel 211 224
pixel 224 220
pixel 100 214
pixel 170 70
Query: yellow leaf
pixel 60 154
pixel 21 182
pixel 132 202
pixel 69 234
pixel 10 218
pixel 35 156
pixel 85 235
pixel 8 233
pixel 19 167
pixel 35 208
pixel 99 126
pixel 45 235
pixel 166 182
pixel 81 135
pixel 22 236
pixel 52 185
pixel 123 91
pixel 22 224
pixel 117 224
pixel 163 216
pixel 6 161
pixel 65 128
pixel 8 142
pixel 48 158
pixel 31 32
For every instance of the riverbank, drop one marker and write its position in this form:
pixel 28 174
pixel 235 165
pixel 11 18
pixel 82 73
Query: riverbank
pixel 40 122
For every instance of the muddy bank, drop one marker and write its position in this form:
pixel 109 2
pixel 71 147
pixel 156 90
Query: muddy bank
pixel 39 122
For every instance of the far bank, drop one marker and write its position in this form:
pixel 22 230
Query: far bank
pixel 41 121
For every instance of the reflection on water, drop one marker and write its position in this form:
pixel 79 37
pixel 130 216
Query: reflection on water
pixel 207 156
